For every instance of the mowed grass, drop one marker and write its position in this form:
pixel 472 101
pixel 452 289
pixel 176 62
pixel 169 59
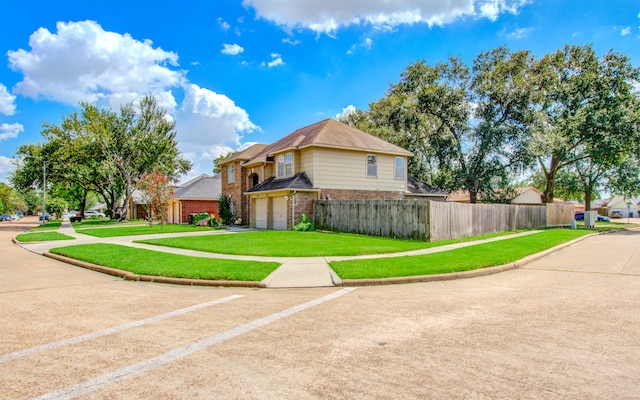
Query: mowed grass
pixel 129 230
pixel 48 225
pixel 147 262
pixel 300 244
pixel 463 259
pixel 42 237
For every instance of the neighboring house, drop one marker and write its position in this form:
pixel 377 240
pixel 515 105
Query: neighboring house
pixel 195 196
pixel 192 197
pixel 272 186
pixel 416 189
pixel 525 195
pixel 619 204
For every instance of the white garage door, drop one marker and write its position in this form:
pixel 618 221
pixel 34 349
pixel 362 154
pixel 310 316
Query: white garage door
pixel 261 211
pixel 279 213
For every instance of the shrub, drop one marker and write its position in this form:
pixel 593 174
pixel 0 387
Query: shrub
pixel 227 213
pixel 204 219
pixel 304 225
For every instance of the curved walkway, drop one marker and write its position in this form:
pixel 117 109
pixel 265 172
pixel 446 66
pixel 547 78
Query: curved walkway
pixel 294 272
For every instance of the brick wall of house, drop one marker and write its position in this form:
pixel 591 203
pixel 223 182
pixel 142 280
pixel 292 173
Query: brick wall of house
pixel 197 206
pixel 343 194
pixel 303 205
pixel 235 189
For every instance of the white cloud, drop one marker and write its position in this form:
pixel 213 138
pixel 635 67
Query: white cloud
pixel 519 33
pixel 291 41
pixel 83 62
pixel 326 16
pixel 208 125
pixel 348 110
pixel 6 166
pixel 10 131
pixel 232 49
pixel 7 101
pixel 207 118
pixel 625 31
pixel 276 60
pixel 224 25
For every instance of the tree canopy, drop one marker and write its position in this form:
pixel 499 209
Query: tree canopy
pixel 102 151
pixel 478 127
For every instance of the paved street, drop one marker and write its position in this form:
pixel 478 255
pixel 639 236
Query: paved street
pixel 564 327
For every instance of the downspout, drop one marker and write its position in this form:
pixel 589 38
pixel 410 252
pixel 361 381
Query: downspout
pixel 293 209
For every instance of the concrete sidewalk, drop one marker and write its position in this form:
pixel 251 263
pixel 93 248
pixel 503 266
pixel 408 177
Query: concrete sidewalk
pixel 294 272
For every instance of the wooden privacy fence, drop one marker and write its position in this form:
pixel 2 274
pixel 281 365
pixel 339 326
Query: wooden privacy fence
pixel 433 220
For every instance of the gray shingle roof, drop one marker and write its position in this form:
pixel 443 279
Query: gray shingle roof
pixel 329 133
pixel 419 188
pixel 203 187
pixel 299 181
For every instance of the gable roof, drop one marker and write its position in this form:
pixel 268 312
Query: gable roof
pixel 299 181
pixel 332 134
pixel 245 154
pixel 416 187
pixel 201 187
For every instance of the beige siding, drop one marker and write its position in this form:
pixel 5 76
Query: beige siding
pixel 528 197
pixel 306 157
pixel 343 169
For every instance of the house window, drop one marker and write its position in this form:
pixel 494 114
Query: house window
pixel 280 166
pixel 372 165
pixel 399 173
pixel 231 173
pixel 285 165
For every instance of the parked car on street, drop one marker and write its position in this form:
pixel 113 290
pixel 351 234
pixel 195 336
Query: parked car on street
pixel 74 216
pixel 579 216
pixel 93 214
pixel 45 216
pixel 5 217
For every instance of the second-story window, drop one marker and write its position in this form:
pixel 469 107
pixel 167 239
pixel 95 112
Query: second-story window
pixel 280 166
pixel 288 164
pixel 285 165
pixel 231 173
pixel 372 165
pixel 399 173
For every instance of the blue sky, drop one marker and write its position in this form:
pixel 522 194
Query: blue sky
pixel 235 72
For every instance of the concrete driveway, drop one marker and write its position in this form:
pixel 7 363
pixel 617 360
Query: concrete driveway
pixel 564 327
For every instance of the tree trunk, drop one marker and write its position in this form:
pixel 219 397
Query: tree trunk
pixel 550 175
pixel 587 197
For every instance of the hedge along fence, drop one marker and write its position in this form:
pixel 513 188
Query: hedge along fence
pixel 433 220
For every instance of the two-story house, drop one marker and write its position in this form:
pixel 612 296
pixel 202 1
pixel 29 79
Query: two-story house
pixel 272 186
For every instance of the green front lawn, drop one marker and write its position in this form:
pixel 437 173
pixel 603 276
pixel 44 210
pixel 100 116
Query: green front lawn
pixel 147 262
pixel 463 259
pixel 133 230
pixel 48 225
pixel 300 244
pixel 42 237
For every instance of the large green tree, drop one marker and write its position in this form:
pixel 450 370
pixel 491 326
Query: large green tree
pixel 586 114
pixel 105 152
pixel 464 124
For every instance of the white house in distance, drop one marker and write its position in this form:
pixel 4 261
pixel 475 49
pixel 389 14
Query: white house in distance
pixel 622 205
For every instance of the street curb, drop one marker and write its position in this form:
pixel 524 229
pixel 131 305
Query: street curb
pixel 345 282
pixel 130 276
pixel 463 274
